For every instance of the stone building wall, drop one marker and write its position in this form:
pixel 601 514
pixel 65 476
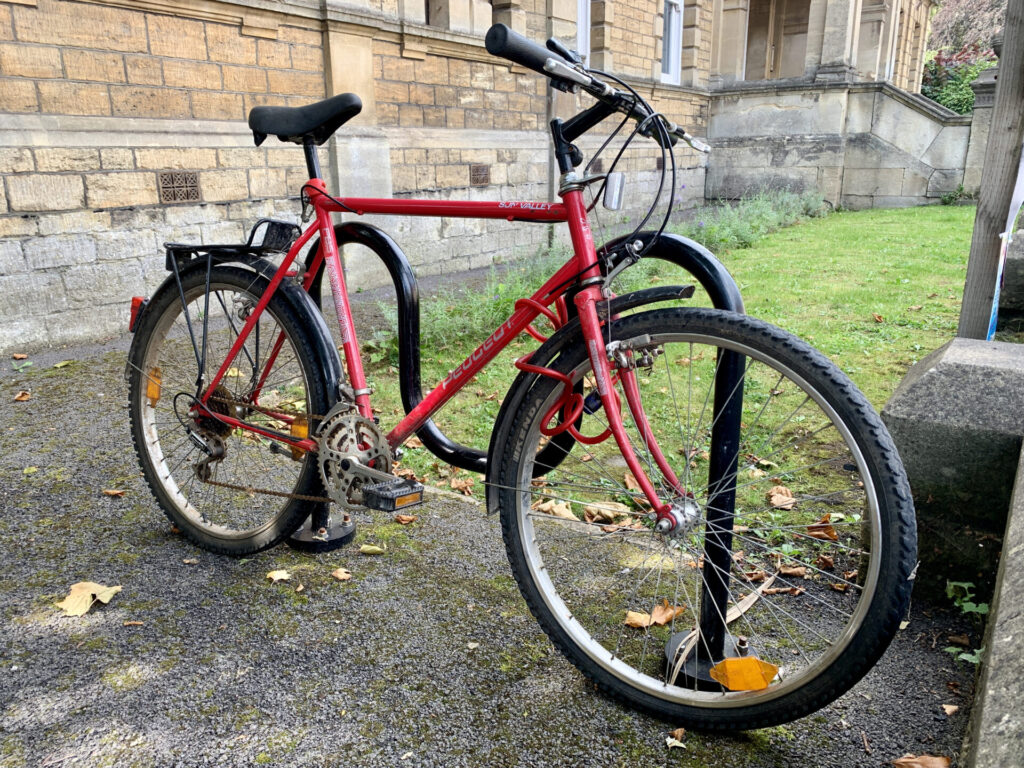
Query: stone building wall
pixel 100 100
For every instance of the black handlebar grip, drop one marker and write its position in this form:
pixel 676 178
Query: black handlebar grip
pixel 502 41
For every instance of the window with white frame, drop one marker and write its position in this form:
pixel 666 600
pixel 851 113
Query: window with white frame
pixel 672 42
pixel 583 29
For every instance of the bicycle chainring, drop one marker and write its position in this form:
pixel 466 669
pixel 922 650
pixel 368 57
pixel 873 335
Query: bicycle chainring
pixel 348 435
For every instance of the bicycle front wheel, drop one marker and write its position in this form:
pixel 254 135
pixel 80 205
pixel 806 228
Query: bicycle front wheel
pixel 246 497
pixel 812 513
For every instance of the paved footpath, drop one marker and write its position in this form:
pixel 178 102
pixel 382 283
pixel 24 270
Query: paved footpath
pixel 230 669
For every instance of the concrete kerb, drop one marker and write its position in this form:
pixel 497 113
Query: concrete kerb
pixel 995 737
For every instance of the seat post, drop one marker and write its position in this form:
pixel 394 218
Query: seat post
pixel 312 160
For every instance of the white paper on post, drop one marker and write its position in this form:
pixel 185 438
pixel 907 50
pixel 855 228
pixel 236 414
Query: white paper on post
pixel 1016 202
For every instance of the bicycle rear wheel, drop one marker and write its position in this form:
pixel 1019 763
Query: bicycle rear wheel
pixel 245 500
pixel 821 531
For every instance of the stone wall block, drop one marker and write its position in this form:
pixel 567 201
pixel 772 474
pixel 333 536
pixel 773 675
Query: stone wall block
pixel 137 218
pixel 84 325
pixel 268 182
pixel 123 246
pixel 53 159
pixel 30 295
pixel 59 251
pixel 44 192
pixel 34 61
pixel 184 215
pixel 949 149
pixel 12 259
pixel 126 188
pixel 92 285
pixel 220 186
pixel 132 101
pixel 18 226
pixel 223 232
pixel 94 26
pixel 143 70
pixel 903 127
pixel 64 98
pixel 18 96
pixel 943 182
pixel 94 65
pixel 180 73
pixel 16 160
pixel 873 181
pixel 176 37
pixel 226 44
pixel 22 333
pixel 192 159
pixel 74 222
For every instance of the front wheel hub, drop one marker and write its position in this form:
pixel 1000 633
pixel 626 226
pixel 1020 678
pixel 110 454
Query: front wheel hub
pixel 682 516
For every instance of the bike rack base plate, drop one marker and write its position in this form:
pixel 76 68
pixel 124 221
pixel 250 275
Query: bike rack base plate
pixel 338 535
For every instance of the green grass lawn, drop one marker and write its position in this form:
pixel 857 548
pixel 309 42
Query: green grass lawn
pixel 827 279
pixel 875 290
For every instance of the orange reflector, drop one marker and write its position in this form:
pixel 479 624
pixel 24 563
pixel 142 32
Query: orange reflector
pixel 153 386
pixel 409 498
pixel 299 429
pixel 744 673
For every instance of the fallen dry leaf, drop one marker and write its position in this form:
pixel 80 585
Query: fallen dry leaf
pixel 673 743
pixel 472 646
pixel 408 474
pixel 413 442
pixel 299 588
pixel 823 529
pixel 132 623
pixel 587 457
pixel 780 497
pixel 950 709
pixel 606 512
pixel 825 562
pixel 29 470
pixel 557 508
pixel 630 482
pixel 755 575
pixel 406 519
pixel 19 356
pixel 83 595
pixel 795 591
pixel 850 575
pixel 664 613
pixel 463 485
pixel 678 734
pixel 638 619
pixel 922 761
pixel 915 307
pixel 793 570
pixel 195 561
pixel 22 396
pixel 962 640
pixel 878 317
pixel 341 574
pixel 113 492
pixel 62 364
pixel 371 549
pixel 839 586
pixel 277 576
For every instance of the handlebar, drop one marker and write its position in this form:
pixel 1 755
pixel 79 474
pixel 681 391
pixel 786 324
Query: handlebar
pixel 566 75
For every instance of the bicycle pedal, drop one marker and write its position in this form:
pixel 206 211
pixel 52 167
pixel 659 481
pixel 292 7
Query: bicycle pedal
pixel 392 495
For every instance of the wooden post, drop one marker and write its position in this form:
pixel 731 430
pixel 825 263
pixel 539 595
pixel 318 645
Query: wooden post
pixel 1002 158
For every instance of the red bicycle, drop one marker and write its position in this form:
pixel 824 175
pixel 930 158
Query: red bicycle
pixel 703 513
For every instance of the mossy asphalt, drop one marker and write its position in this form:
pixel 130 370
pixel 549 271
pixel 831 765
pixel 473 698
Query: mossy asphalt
pixel 230 669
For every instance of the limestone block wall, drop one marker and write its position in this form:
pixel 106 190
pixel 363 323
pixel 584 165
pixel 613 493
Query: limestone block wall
pixel 861 146
pixel 100 98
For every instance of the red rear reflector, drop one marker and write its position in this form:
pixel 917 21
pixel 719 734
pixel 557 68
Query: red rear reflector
pixel 138 303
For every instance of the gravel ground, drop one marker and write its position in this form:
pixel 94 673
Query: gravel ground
pixel 230 669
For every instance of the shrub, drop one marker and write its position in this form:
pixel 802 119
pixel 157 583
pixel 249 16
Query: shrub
pixel 948 76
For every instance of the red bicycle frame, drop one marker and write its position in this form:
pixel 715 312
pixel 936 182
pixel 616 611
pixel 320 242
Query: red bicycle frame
pixel 583 266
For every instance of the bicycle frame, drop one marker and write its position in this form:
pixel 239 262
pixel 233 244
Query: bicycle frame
pixel 582 265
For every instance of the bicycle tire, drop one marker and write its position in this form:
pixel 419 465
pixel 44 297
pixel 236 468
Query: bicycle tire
pixel 580 579
pixel 218 518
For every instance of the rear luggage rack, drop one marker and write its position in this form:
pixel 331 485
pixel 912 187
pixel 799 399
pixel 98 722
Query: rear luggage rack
pixel 267 236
